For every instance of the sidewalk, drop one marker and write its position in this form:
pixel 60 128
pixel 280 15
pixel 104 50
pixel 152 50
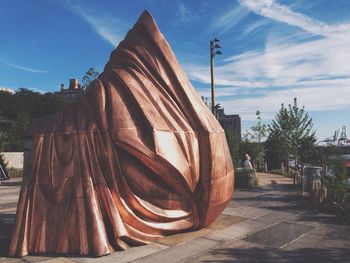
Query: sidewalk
pixel 268 224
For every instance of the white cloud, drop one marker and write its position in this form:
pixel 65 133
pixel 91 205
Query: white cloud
pixel 11 90
pixel 185 14
pixel 220 91
pixel 231 18
pixel 224 76
pixel 316 99
pixel 108 27
pixel 23 68
pixel 315 70
pixel 271 9
pixel 253 26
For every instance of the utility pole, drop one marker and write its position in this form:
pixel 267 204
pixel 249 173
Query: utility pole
pixel 213 45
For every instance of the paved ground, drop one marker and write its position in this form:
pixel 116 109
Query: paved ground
pixel 272 223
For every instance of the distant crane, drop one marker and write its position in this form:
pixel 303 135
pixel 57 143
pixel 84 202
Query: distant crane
pixel 335 136
pixel 343 139
pixel 333 140
pixel 337 140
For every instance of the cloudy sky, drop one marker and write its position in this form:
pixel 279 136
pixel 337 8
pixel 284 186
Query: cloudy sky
pixel 274 50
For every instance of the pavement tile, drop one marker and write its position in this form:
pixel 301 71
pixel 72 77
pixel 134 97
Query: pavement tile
pixel 245 211
pixel 236 251
pixel 182 252
pixel 274 217
pixel 8 192
pixel 34 259
pixel 177 239
pixel 312 255
pixel 237 231
pixel 10 211
pixel 316 248
pixel 222 222
pixel 319 242
pixel 8 205
pixel 279 235
pixel 333 232
pixel 247 194
pixel 58 260
pixel 225 220
pixel 12 260
pixel 312 218
pixel 128 255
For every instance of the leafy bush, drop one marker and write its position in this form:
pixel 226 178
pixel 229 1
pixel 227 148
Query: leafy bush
pixel 245 178
pixel 15 173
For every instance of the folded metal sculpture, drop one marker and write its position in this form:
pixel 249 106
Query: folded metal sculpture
pixel 138 157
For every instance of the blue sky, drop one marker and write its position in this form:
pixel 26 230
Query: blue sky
pixel 274 50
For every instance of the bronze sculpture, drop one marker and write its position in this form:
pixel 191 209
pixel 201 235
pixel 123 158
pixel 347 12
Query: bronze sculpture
pixel 138 157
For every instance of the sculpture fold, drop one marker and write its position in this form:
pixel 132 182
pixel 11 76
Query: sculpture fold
pixel 138 157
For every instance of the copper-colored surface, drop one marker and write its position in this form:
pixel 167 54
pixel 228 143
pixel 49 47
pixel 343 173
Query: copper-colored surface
pixel 139 157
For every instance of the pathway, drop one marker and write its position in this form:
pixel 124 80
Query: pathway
pixel 268 224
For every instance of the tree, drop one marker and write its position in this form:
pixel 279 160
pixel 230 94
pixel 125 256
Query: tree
pixel 291 132
pixel 89 76
pixel 19 109
pixel 233 145
pixel 251 148
pixel 259 131
pixel 257 134
pixel 3 134
pixel 16 132
pixel 7 105
pixel 217 106
pixel 331 158
pixel 51 103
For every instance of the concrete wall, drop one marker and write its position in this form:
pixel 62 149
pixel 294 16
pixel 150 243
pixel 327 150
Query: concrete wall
pixel 13 159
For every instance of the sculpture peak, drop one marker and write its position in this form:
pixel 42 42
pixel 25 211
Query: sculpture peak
pixel 146 14
pixel 146 18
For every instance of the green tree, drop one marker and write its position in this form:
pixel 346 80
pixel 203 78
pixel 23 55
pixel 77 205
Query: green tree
pixel 258 131
pixel 257 134
pixel 291 132
pixel 251 148
pixel 274 151
pixel 89 76
pixel 27 101
pixel 7 105
pixel 18 109
pixel 3 133
pixel 233 145
pixel 16 131
pixel 206 102
pixel 51 103
pixel 331 158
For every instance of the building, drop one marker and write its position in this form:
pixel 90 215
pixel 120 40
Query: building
pixel 230 122
pixel 74 91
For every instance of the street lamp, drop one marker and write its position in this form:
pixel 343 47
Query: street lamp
pixel 214 45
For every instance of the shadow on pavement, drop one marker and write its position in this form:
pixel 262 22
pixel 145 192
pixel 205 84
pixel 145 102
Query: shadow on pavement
pixel 256 254
pixel 10 183
pixel 6 227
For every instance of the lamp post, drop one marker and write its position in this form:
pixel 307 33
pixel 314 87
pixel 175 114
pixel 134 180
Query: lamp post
pixel 214 45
